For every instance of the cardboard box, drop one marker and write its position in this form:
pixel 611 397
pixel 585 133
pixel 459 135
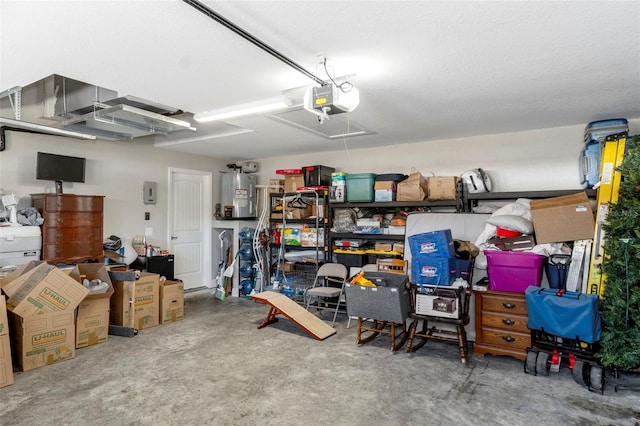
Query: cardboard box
pixel 399 247
pixel 395 230
pixel 311 237
pixel 6 367
pixel 293 182
pixel 385 190
pixel 171 301
pixel 92 319
pixel 298 213
pixel 43 339
pixel 439 301
pixel 442 188
pixel 45 289
pixel 143 294
pixel 383 246
pixel 276 186
pixel 4 282
pixel 413 188
pixel 287 266
pixel 564 218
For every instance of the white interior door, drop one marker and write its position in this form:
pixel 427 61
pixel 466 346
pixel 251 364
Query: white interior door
pixel 189 226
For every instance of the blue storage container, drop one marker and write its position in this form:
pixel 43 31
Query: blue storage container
pixel 590 163
pixel 434 243
pixel 599 130
pixel 432 270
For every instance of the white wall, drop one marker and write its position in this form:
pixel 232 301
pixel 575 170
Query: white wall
pixel 116 170
pixel 542 159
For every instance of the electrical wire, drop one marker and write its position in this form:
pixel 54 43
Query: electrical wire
pixel 339 86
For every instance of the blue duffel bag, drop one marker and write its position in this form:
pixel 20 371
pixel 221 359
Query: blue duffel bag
pixel 565 314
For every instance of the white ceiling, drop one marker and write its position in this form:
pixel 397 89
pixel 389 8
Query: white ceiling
pixel 425 70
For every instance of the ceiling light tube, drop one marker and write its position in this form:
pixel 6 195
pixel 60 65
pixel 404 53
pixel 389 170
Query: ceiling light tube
pixel 241 110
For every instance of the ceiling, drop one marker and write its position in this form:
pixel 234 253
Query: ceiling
pixel 426 70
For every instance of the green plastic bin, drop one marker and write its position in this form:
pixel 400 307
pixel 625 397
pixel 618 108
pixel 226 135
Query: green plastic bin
pixel 360 187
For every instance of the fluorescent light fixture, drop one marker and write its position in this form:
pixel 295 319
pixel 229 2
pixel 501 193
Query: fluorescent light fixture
pixel 241 110
pixel 44 129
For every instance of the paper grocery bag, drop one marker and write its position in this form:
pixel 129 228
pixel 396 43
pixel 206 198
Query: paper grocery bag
pixel 413 188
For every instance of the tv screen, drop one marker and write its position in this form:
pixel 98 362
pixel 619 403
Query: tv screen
pixel 59 167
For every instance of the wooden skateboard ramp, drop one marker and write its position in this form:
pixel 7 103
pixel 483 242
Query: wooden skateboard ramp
pixel 282 305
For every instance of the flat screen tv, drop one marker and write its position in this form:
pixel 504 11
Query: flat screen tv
pixel 59 168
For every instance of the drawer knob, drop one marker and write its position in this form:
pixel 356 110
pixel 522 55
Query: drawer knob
pixel 508 339
pixel 59 235
pixel 508 305
pixel 59 220
pixel 508 321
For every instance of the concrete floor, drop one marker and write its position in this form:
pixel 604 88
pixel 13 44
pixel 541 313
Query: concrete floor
pixel 215 367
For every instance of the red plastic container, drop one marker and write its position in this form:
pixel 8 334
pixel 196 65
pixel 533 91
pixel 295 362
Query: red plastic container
pixel 513 271
pixel 288 171
pixel 506 233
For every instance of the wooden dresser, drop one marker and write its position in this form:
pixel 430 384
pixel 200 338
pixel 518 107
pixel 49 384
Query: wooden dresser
pixel 501 324
pixel 72 228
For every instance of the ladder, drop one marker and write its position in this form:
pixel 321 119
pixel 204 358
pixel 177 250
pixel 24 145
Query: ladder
pixel 608 189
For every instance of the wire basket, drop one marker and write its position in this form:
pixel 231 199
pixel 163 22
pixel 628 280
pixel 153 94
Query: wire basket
pixel 295 283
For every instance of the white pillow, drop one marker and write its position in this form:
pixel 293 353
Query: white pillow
pixel 512 222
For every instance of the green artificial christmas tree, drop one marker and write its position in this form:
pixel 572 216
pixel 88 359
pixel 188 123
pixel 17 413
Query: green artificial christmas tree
pixel 620 307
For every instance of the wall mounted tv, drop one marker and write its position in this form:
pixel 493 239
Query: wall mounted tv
pixel 59 168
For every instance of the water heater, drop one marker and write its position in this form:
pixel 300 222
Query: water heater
pixel 238 195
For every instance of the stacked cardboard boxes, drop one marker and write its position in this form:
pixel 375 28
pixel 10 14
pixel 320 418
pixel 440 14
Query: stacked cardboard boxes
pixel 41 305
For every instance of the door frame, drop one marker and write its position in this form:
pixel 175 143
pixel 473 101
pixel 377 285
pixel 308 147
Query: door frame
pixel 207 200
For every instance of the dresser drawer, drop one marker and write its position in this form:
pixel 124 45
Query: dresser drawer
pixel 68 235
pixel 517 323
pixel 76 220
pixel 504 302
pixel 505 339
pixel 71 251
pixel 76 203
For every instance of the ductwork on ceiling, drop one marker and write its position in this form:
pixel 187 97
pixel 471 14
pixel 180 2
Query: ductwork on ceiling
pixel 75 106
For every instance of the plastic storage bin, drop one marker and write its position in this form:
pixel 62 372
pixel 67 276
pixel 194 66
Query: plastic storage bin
pixel 388 301
pixel 360 187
pixel 317 175
pixel 513 271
